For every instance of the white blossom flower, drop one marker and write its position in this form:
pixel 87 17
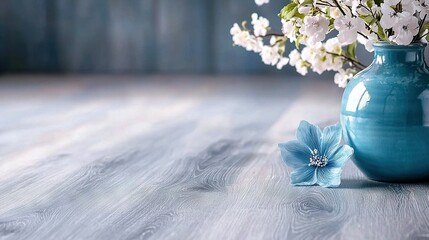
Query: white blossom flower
pixel 405 30
pixel 316 56
pixel 261 2
pixel 333 45
pixel 282 62
pixel 260 25
pixel 322 57
pixel 355 5
pixel 368 42
pixel 302 67
pixel 391 2
pixel 399 21
pixel 408 6
pixel 239 37
pixel 270 55
pixel 304 9
pixel 422 7
pixel 289 28
pixel 254 44
pixel 348 28
pixel 347 2
pixel 389 16
pixel 273 40
pixel 294 57
pixel 315 28
pixel 334 63
pixel 244 39
pixel 235 29
pixel 343 76
pixel 308 53
pixel 358 10
pixel 376 9
pixel 335 12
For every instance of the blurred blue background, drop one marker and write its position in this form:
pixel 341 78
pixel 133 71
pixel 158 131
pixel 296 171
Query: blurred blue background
pixel 127 36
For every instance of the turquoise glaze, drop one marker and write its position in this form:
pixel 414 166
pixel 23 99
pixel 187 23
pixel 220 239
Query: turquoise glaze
pixel 385 115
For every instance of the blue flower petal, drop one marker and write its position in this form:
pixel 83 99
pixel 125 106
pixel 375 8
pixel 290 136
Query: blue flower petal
pixel 309 134
pixel 329 176
pixel 340 156
pixel 295 154
pixel 304 176
pixel 331 137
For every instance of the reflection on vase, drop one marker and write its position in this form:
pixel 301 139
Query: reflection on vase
pixel 385 115
pixel 424 98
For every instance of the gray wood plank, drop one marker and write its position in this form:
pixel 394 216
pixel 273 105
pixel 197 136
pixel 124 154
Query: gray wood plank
pixel 113 157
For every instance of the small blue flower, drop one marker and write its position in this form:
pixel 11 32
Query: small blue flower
pixel 316 156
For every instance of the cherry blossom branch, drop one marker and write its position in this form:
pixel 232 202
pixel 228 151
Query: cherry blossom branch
pixel 274 34
pixel 420 28
pixel 325 3
pixel 357 64
pixel 363 35
pixel 339 7
pixel 368 9
pixel 424 35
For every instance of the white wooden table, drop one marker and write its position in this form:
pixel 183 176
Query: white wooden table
pixel 168 157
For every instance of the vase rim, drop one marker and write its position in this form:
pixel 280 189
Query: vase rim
pixel 385 44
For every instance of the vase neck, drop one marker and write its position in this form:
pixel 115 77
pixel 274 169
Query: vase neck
pixel 385 53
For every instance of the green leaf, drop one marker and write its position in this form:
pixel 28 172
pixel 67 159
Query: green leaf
pixel 424 27
pixel 369 19
pixel 351 50
pixel 289 11
pixel 297 41
pixel 380 32
pixel 292 13
pixel 243 24
pixel 370 3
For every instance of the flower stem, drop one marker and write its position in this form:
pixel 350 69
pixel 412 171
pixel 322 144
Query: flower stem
pixel 326 3
pixel 339 7
pixel 424 35
pixel 368 9
pixel 363 35
pixel 274 34
pixel 356 63
pixel 420 28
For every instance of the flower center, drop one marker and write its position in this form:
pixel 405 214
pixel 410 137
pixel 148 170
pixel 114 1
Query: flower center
pixel 316 160
pixel 394 14
pixel 349 25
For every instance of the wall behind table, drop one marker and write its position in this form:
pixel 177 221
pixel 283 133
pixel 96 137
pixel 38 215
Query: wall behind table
pixel 127 36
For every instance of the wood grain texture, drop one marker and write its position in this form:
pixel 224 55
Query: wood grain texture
pixel 180 158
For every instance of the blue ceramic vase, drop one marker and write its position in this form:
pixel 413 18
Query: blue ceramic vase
pixel 385 115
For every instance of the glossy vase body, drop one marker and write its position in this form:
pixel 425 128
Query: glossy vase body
pixel 385 115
